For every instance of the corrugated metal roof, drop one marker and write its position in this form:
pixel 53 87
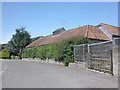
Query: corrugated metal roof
pixel 112 29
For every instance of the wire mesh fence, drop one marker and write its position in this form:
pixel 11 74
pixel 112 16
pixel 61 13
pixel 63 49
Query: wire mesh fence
pixel 80 52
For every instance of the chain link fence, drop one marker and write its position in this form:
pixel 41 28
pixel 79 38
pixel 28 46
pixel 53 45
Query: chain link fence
pixel 80 52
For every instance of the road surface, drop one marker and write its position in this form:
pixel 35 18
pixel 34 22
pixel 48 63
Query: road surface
pixel 30 74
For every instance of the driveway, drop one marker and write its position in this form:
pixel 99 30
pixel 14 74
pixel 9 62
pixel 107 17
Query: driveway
pixel 31 74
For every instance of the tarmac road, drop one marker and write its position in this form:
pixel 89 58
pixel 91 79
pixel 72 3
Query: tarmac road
pixel 28 74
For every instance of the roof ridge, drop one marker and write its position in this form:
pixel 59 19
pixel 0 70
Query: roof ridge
pixel 79 27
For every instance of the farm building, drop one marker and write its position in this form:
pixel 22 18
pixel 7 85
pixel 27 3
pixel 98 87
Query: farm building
pixel 100 32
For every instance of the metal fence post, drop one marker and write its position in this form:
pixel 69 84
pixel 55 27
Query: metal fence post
pixel 88 48
pixel 111 72
pixel 83 53
pixel 74 53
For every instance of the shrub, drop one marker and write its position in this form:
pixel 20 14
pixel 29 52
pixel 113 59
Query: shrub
pixel 4 54
pixel 13 56
pixel 67 60
pixel 17 57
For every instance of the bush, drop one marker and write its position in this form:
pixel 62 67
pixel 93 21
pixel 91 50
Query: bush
pixel 17 57
pixel 67 60
pixel 4 54
pixel 13 56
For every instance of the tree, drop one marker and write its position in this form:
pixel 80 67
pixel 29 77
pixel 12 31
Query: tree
pixel 19 40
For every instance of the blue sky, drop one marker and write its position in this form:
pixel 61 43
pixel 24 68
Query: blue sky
pixel 42 18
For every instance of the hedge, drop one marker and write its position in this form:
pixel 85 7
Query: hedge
pixel 61 50
pixel 4 54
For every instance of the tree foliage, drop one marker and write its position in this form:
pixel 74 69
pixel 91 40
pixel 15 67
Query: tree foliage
pixel 3 46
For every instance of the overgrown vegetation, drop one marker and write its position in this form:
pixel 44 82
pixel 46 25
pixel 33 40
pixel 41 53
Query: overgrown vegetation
pixel 62 50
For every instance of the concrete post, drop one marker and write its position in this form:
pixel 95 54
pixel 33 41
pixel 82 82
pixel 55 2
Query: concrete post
pixel 116 59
